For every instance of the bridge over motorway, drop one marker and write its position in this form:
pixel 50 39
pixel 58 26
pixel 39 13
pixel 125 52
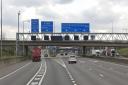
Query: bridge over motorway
pixel 94 39
pixel 67 43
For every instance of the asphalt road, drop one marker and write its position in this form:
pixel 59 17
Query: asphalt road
pixel 19 73
pixel 59 72
pixel 56 74
pixel 94 72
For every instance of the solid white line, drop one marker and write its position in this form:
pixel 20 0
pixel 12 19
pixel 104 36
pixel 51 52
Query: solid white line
pixel 43 74
pixel 14 71
pixel 34 75
pixel 34 83
pixel 101 75
pixel 72 79
pixel 62 63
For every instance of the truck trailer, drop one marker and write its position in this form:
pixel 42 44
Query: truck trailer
pixel 36 54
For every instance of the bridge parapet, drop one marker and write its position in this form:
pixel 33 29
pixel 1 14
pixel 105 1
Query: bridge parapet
pixel 90 36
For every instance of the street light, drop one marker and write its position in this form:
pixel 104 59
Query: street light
pixel 1 28
pixel 18 23
pixel 17 35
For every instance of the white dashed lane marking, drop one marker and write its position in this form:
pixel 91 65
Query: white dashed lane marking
pixel 38 77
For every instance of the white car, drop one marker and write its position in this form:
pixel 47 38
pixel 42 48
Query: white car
pixel 72 59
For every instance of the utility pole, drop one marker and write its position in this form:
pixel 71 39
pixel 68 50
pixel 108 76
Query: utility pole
pixel 17 34
pixel 1 28
pixel 23 38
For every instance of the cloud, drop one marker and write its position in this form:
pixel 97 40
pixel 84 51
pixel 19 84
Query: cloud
pixel 9 17
pixel 63 1
pixel 119 2
pixel 38 3
pixel 100 13
pixel 28 3
pixel 48 13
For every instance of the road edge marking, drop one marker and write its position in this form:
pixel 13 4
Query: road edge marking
pixel 34 75
pixel 14 71
pixel 68 72
pixel 40 82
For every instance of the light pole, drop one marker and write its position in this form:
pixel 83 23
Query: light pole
pixel 23 38
pixel 1 28
pixel 18 23
pixel 17 34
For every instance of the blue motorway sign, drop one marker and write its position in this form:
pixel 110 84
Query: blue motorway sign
pixel 75 27
pixel 47 26
pixel 34 25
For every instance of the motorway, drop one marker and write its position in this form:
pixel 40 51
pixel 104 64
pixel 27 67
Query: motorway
pixel 57 71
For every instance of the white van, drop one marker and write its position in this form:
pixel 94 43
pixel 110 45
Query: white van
pixel 72 59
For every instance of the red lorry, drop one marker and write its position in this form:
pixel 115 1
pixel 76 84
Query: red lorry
pixel 36 54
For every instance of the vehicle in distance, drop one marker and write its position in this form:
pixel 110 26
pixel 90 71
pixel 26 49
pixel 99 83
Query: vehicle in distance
pixel 72 59
pixel 46 55
pixel 61 54
pixel 66 53
pixel 36 54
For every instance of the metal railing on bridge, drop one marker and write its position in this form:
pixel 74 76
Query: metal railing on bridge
pixel 81 36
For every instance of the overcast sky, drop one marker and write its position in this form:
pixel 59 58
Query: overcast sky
pixel 101 14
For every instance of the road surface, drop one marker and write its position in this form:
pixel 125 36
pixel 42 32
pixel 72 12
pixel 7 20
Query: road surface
pixel 93 72
pixel 59 72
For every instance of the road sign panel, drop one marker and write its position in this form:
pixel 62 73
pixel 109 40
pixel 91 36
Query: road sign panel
pixel 34 25
pixel 75 27
pixel 47 26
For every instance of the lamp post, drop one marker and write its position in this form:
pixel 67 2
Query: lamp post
pixel 18 23
pixel 1 28
pixel 23 38
pixel 17 34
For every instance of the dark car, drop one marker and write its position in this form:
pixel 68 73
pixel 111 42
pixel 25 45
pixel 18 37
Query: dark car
pixel 46 55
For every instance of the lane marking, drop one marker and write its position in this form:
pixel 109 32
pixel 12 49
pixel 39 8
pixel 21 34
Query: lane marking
pixel 37 79
pixel 34 83
pixel 73 81
pixel 62 63
pixel 14 71
pixel 95 61
pixel 43 74
pixel 34 75
pixel 101 75
pixel 81 61
pixel 39 75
